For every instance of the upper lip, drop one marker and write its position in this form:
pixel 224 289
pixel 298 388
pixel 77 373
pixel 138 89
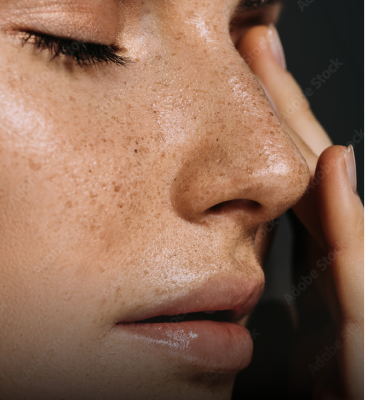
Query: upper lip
pixel 233 293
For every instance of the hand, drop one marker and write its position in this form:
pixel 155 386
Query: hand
pixel 331 211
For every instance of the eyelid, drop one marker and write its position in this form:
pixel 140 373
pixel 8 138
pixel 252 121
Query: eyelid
pixel 82 20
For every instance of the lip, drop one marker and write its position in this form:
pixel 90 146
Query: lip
pixel 207 344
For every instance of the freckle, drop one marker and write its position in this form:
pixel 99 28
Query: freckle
pixel 120 205
pixel 146 272
pixel 272 132
pixel 162 155
pixel 116 188
pixel 135 150
pixel 34 166
pixel 271 113
pixel 68 204
pixel 217 140
pixel 103 140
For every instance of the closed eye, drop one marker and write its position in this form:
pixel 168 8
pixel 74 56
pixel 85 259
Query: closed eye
pixel 84 54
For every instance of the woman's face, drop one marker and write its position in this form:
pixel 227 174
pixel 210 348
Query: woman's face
pixel 129 192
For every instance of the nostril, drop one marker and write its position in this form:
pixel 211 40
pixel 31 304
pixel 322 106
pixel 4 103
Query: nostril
pixel 232 206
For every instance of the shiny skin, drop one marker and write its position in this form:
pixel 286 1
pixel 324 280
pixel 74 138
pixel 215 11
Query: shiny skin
pixel 108 179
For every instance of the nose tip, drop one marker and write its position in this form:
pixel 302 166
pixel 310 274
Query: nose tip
pixel 257 183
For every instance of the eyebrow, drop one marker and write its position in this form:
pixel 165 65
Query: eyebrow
pixel 249 5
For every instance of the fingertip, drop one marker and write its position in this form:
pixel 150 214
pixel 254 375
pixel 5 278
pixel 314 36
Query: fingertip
pixel 339 162
pixel 332 172
pixel 340 208
pixel 332 159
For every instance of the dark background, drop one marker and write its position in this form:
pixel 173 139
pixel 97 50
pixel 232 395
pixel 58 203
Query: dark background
pixel 312 35
pixel 312 32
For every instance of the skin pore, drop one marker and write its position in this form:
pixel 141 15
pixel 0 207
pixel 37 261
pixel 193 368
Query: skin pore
pixel 111 177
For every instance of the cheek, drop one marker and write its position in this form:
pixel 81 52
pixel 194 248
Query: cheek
pixel 79 193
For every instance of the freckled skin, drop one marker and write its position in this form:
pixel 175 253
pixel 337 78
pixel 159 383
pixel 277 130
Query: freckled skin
pixel 108 179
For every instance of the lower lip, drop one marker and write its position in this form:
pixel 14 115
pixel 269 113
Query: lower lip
pixel 215 346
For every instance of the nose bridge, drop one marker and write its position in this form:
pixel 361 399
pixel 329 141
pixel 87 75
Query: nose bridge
pixel 241 151
pixel 224 93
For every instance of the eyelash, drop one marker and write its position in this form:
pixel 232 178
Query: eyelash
pixel 84 54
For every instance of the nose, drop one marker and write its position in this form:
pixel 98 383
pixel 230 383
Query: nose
pixel 246 165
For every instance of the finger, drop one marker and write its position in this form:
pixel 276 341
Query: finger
pixel 342 218
pixel 262 50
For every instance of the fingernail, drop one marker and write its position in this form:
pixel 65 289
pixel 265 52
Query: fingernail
pixel 276 46
pixel 268 96
pixel 351 167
